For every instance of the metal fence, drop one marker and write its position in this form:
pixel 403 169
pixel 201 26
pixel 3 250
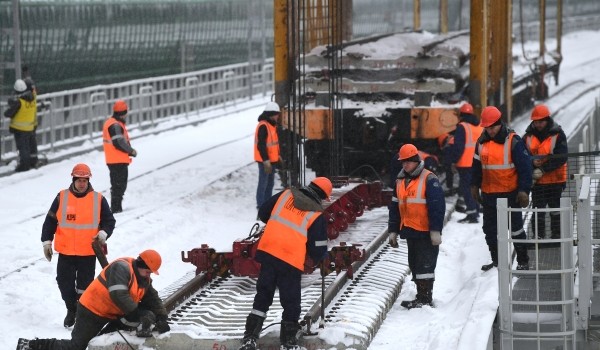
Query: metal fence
pixel 76 116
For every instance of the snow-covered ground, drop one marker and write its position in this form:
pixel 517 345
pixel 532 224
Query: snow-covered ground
pixel 176 207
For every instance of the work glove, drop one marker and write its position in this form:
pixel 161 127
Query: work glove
pixel 537 174
pixel 475 194
pixel 101 237
pixel 393 239
pixel 132 318
pixel 162 326
pixel 48 250
pixel 326 267
pixel 523 199
pixel 436 237
pixel 268 167
pixel 133 153
pixel 147 319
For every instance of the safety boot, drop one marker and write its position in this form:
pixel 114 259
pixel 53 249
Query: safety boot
pixel 424 295
pixel 253 327
pixel 115 205
pixel 69 320
pixel 469 219
pixel 494 263
pixel 288 336
pixel 40 344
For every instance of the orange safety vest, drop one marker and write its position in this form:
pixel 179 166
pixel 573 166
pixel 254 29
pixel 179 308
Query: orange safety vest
pixel 472 133
pixel 96 297
pixel 286 232
pixel 498 170
pixel 112 154
pixel 545 147
pixel 413 202
pixel 25 119
pixel 272 142
pixel 78 222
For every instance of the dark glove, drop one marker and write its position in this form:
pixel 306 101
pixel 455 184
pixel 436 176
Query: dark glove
pixel 147 319
pixel 268 167
pixel 162 326
pixel 326 267
pixel 133 316
pixel 475 194
pixel 133 153
pixel 393 239
pixel 523 199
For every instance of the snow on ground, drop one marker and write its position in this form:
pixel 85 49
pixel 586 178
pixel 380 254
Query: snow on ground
pixel 176 208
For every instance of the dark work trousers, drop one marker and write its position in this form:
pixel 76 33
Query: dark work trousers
pixel 73 275
pixel 33 149
pixel 286 278
pixel 23 141
pixel 422 257
pixel 264 190
pixel 88 325
pixel 542 196
pixel 490 222
pixel 464 188
pixel 118 181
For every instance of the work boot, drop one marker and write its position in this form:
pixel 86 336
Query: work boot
pixel 253 327
pixel 460 208
pixel 469 219
pixel 71 314
pixel 424 295
pixel 288 336
pixel 40 344
pixel 115 205
pixel 494 263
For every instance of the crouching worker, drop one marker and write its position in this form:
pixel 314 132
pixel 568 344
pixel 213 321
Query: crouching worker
pixel 294 227
pixel 122 290
pixel 416 213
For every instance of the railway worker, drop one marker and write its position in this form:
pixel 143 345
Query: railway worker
pixel 445 142
pixel 461 153
pixel 416 213
pixel 123 290
pixel 501 169
pixel 118 153
pixel 77 216
pixel 294 227
pixel 430 161
pixel 266 151
pixel 544 137
pixel 22 111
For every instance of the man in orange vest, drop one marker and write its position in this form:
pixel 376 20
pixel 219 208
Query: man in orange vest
pixel 22 111
pixel 266 151
pixel 416 213
pixel 547 143
pixel 501 169
pixel 461 152
pixel 294 228
pixel 117 153
pixel 123 290
pixel 77 216
pixel 430 161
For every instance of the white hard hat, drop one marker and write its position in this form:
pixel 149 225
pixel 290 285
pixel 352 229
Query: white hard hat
pixel 20 86
pixel 272 107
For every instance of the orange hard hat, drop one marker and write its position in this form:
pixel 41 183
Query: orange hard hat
pixel 152 259
pixel 324 184
pixel 467 108
pixel 120 106
pixel 407 151
pixel 540 112
pixel 81 170
pixel 489 116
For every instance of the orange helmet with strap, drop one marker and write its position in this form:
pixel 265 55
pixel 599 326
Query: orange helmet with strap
pixel 324 184
pixel 540 112
pixel 489 116
pixel 152 259
pixel 407 151
pixel 81 171
pixel 120 106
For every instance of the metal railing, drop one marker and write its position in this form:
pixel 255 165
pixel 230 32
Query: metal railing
pixel 71 118
pixel 537 306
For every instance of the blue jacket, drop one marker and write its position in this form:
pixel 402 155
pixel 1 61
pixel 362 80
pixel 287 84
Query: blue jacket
pixel 436 207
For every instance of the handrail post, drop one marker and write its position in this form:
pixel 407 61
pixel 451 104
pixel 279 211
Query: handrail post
pixel 584 250
pixel 93 102
pixel 146 91
pixel 191 84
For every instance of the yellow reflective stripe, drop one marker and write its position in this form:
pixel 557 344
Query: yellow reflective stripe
pixel 498 166
pixel 118 287
pixel 469 142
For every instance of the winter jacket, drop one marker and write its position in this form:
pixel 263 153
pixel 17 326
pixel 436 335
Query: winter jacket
pixel 306 203
pixel 550 140
pixel 466 135
pixel 22 109
pixel 435 205
pixel 119 289
pixel 51 223
pixel 518 157
pixel 266 139
pixel 115 140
